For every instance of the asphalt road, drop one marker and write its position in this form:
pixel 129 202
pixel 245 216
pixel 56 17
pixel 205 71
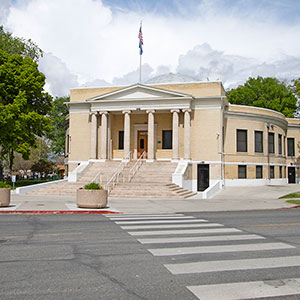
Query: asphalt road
pixel 95 257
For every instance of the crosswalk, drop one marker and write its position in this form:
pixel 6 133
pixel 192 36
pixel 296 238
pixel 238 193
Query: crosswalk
pixel 177 235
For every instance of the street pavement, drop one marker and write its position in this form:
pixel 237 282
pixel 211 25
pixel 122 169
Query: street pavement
pixel 228 199
pixel 167 256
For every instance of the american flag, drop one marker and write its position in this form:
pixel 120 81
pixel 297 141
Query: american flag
pixel 141 43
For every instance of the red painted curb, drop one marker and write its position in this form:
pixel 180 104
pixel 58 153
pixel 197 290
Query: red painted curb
pixel 57 212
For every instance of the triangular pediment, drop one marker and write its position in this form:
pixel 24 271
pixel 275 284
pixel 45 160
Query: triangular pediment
pixel 138 92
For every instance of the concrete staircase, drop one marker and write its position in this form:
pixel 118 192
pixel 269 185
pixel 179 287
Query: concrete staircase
pixel 69 188
pixel 152 180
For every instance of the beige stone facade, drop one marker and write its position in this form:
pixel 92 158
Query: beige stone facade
pixel 214 143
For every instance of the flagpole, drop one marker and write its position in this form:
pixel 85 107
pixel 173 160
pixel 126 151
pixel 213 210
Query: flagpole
pixel 141 51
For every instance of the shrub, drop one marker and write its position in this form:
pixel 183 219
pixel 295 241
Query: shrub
pixel 4 185
pixel 93 186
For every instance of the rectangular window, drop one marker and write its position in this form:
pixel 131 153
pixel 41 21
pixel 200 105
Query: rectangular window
pixel 259 172
pixel 272 172
pixel 241 140
pixel 259 141
pixel 280 172
pixel 121 140
pixel 167 139
pixel 279 144
pixel 271 142
pixel 291 146
pixel 242 172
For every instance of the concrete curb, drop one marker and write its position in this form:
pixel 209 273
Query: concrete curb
pixel 57 212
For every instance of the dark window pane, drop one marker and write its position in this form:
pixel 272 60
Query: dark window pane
pixel 167 139
pixel 271 171
pixel 242 172
pixel 259 172
pixel 280 172
pixel 121 140
pixel 259 141
pixel 279 144
pixel 142 143
pixel 241 140
pixel 291 146
pixel 271 142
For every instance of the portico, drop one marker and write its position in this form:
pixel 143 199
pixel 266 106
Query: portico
pixel 140 118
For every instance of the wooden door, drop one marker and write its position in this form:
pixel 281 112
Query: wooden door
pixel 142 142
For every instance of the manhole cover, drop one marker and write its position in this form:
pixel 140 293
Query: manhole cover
pixel 40 204
pixel 3 241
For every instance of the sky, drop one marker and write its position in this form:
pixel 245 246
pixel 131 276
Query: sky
pixel 90 43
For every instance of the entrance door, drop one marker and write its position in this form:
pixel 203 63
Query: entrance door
pixel 203 177
pixel 142 143
pixel 292 174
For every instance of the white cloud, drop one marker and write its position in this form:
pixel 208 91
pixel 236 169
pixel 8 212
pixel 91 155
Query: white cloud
pixel 59 79
pixel 98 44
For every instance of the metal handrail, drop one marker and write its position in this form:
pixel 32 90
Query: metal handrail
pixel 136 166
pixel 115 177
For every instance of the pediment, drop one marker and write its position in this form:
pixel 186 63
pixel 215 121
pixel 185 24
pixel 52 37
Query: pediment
pixel 138 92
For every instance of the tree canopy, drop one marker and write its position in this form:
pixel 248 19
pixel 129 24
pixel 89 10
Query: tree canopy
pixel 265 92
pixel 58 115
pixel 16 45
pixel 23 105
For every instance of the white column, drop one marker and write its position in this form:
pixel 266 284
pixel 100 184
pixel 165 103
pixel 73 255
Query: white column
pixel 104 142
pixel 151 144
pixel 126 132
pixel 187 134
pixel 94 135
pixel 175 137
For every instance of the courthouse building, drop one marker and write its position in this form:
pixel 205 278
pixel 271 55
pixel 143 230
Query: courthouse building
pixel 214 143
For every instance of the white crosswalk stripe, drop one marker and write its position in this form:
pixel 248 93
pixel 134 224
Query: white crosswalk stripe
pixel 191 232
pixel 218 249
pixel 247 290
pixel 185 231
pixel 172 226
pixel 160 221
pixel 216 238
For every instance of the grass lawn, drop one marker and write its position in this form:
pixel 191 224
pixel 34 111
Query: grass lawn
pixel 292 195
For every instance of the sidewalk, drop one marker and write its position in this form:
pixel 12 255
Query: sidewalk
pixel 229 199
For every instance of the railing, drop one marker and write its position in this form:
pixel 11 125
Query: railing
pixel 136 166
pixel 99 178
pixel 115 177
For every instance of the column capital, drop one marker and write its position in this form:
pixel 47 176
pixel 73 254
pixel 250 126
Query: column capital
pixel 150 111
pixel 186 110
pixel 103 112
pixel 126 111
pixel 175 110
pixel 93 113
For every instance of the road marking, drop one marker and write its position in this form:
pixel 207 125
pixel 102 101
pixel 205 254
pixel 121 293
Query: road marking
pixel 161 221
pixel 185 231
pixel 201 239
pixel 247 290
pixel 279 224
pixel 172 226
pixel 230 265
pixel 151 218
pixel 144 215
pixel 219 249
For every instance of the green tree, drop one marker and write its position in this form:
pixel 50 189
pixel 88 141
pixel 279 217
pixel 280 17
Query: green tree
pixel 58 115
pixel 23 106
pixel 296 87
pixel 16 45
pixel 43 166
pixel 265 92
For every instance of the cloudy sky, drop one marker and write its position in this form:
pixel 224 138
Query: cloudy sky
pixel 95 42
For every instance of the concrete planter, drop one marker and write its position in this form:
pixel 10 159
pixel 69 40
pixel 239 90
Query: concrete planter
pixel 4 197
pixel 91 198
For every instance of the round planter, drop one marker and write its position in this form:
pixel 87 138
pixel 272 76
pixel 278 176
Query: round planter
pixel 91 198
pixel 4 197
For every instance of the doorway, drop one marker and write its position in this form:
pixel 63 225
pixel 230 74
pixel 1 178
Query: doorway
pixel 142 143
pixel 291 174
pixel 202 177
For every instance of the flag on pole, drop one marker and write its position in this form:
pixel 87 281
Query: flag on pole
pixel 141 43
